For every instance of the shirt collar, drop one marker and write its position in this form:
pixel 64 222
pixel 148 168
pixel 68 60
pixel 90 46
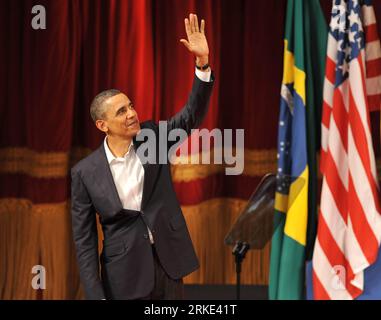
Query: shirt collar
pixel 110 156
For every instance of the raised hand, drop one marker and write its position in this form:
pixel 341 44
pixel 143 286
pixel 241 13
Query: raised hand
pixel 196 43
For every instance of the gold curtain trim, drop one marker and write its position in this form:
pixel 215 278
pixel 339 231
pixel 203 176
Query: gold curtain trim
pixel 57 164
pixel 15 204
pixel 32 163
pixel 256 164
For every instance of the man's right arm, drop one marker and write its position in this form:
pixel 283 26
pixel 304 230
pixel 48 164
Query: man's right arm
pixel 85 238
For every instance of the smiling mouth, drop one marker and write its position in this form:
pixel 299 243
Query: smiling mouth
pixel 132 124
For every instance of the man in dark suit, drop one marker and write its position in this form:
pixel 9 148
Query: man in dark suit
pixel 147 249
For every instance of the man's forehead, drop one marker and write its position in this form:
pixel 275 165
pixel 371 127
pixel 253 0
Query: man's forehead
pixel 117 100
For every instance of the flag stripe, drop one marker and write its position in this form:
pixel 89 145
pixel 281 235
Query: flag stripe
pixel 331 48
pixel 369 16
pixel 373 85
pixel 374 102
pixel 349 228
pixel 330 70
pixel 319 287
pixel 366 189
pixel 372 71
pixel 357 84
pixel 371 33
pixel 372 50
pixel 360 150
pixel 335 256
pixel 340 118
pixel 326 117
pixel 339 234
pixel 336 185
pixel 361 229
pixel 323 270
pixel 338 160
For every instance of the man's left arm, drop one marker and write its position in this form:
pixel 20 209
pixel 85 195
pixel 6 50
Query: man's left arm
pixel 195 110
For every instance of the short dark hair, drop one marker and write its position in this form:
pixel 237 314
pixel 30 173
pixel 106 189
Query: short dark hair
pixel 97 108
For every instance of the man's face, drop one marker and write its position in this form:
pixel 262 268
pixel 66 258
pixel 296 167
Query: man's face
pixel 121 119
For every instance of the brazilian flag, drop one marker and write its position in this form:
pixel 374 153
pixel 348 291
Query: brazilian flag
pixel 298 142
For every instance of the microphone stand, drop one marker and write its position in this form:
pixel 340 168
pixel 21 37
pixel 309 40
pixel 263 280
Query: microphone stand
pixel 239 251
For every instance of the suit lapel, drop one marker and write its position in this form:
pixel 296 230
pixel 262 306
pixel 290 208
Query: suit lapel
pixel 150 172
pixel 104 178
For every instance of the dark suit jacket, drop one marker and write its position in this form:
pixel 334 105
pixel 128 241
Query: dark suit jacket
pixel 127 268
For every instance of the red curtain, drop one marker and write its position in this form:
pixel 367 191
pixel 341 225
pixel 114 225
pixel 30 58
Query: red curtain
pixel 49 77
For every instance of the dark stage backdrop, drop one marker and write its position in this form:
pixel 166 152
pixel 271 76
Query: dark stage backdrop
pixel 48 79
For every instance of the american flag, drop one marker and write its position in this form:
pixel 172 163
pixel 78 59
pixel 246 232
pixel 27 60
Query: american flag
pixel 349 225
pixel 372 57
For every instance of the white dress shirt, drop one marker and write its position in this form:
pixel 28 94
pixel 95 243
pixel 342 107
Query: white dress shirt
pixel 128 171
pixel 128 175
pixel 203 75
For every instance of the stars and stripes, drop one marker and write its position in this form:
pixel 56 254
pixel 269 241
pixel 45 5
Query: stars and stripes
pixel 349 227
pixel 372 57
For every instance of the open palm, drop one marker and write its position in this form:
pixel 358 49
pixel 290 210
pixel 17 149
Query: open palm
pixel 196 43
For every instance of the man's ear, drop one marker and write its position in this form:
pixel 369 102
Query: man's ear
pixel 102 125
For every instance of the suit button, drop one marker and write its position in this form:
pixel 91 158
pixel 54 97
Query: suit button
pixel 145 236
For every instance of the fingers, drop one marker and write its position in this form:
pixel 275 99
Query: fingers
pixel 191 19
pixel 186 44
pixel 196 23
pixel 191 25
pixel 187 27
pixel 202 26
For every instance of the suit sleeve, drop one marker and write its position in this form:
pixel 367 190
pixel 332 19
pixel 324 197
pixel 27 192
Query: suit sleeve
pixel 196 108
pixel 85 238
